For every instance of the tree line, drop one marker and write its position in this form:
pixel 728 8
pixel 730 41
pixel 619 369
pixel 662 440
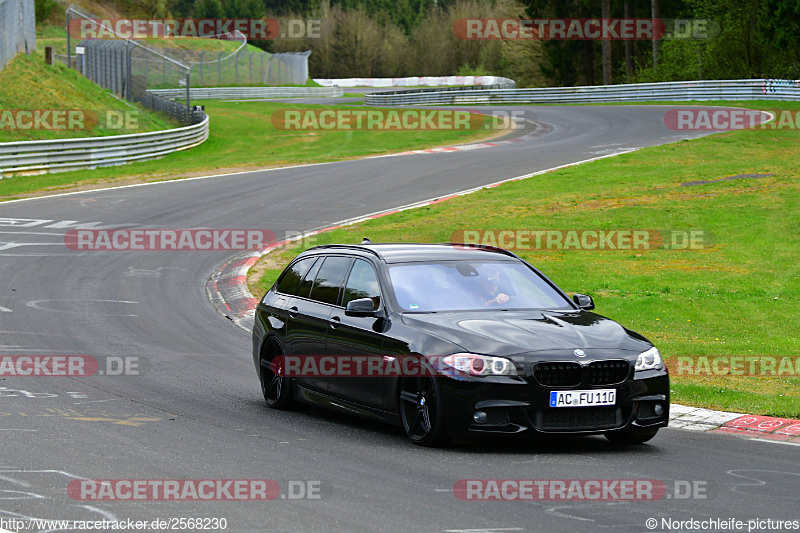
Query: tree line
pixel 393 38
pixel 737 39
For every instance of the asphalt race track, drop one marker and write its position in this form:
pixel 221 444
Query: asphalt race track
pixel 195 410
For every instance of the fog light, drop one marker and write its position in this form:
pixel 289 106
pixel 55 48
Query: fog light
pixel 480 417
pixel 658 409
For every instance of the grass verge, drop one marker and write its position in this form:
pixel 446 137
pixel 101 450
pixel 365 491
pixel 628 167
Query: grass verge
pixel 735 296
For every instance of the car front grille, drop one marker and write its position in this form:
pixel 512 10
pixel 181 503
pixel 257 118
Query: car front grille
pixel 608 372
pixel 558 374
pixel 569 374
pixel 578 418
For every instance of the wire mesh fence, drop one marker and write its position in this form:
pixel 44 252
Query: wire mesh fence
pixel 248 67
pixel 211 68
pixel 121 66
pixel 17 29
pixel 129 71
pixel 132 70
pixel 243 66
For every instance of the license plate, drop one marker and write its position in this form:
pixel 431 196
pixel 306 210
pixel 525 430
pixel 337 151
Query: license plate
pixel 583 398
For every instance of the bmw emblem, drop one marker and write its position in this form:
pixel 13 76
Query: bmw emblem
pixel 580 353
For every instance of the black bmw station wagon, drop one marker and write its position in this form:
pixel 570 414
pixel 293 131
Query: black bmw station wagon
pixel 503 349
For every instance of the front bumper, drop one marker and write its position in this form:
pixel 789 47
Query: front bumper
pixel 519 404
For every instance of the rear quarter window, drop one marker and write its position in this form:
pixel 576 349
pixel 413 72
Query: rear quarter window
pixel 290 279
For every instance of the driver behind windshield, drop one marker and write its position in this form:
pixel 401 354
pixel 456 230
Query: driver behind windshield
pixel 491 294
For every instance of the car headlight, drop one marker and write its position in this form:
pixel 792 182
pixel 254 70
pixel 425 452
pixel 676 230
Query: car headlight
pixel 649 360
pixel 480 365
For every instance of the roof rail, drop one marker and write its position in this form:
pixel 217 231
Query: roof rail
pixel 363 248
pixel 483 247
pixel 346 246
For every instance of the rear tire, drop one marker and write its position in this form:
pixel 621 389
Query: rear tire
pixel 278 390
pixel 631 436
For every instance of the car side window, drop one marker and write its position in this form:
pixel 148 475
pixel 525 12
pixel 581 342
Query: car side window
pixel 290 279
pixel 308 280
pixel 329 279
pixel 362 283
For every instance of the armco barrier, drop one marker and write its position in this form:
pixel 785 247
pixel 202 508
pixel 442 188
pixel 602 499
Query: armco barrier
pixel 636 92
pixel 224 93
pixel 417 81
pixel 39 157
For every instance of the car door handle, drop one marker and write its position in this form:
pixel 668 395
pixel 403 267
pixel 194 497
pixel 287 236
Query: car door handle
pixel 293 312
pixel 334 321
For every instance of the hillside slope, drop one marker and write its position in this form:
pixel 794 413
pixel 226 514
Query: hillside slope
pixel 29 88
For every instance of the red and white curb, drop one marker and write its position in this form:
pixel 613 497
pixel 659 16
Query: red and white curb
pixel 539 130
pixel 753 426
pixel 228 292
pixel 461 148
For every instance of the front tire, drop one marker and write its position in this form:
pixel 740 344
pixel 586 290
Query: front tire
pixel 421 411
pixel 278 390
pixel 631 436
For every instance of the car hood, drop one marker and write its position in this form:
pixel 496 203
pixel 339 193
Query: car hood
pixel 515 332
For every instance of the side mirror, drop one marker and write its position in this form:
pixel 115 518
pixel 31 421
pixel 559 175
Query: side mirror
pixel 583 301
pixel 360 307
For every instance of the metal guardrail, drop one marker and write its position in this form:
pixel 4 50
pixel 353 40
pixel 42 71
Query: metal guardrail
pixel 39 157
pixel 637 92
pixel 174 110
pixel 223 93
pixel 432 93
pixel 418 81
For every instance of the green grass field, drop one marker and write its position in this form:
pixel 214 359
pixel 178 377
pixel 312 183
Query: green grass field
pixel 733 297
pixel 237 127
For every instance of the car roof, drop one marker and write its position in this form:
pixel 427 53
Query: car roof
pixel 411 252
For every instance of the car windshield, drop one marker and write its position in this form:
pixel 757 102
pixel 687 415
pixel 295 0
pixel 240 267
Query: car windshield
pixel 471 285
